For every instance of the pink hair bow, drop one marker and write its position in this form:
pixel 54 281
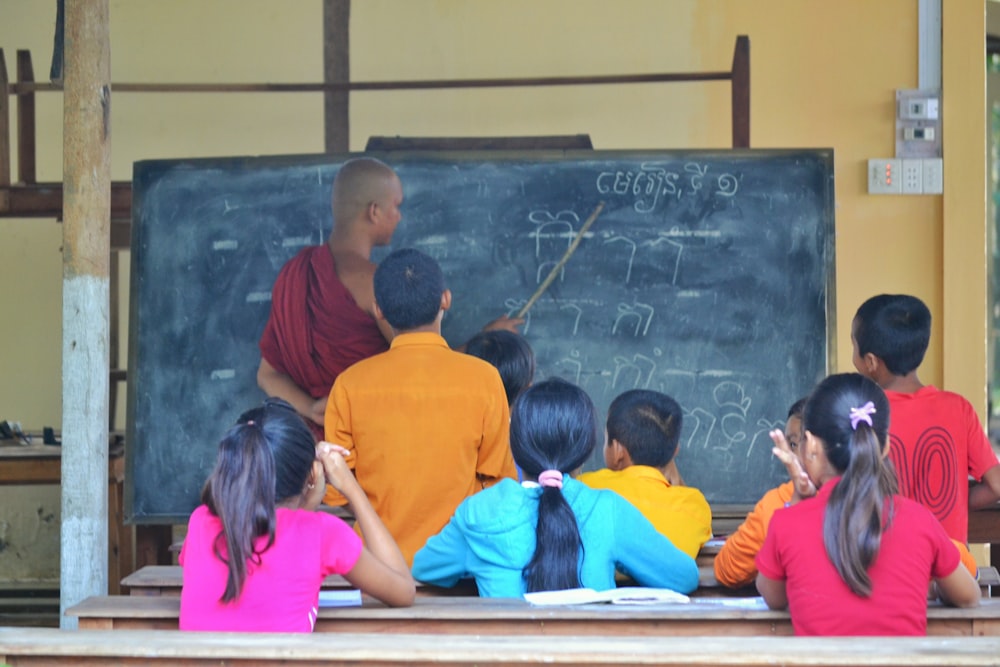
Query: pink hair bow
pixel 862 414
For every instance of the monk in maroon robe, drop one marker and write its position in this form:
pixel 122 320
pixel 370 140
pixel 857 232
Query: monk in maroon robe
pixel 323 302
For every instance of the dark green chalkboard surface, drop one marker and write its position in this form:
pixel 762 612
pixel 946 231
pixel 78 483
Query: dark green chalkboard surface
pixel 708 275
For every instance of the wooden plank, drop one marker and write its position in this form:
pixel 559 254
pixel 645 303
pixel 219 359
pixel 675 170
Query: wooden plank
pixel 547 142
pixel 37 646
pixel 45 200
pixel 4 129
pixel 25 120
pixel 497 616
pixel 337 69
pixel 741 92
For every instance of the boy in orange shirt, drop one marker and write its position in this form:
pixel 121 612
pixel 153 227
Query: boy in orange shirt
pixel 644 430
pixel 734 564
pixel 424 426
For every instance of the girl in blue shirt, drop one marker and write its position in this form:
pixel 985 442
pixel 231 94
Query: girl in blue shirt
pixel 551 532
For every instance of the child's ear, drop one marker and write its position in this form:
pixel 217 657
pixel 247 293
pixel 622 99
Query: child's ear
pixel 378 312
pixel 871 364
pixel 446 299
pixel 812 446
pixel 616 456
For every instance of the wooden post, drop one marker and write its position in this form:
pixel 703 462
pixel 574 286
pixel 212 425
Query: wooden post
pixel 337 69
pixel 741 93
pixel 83 561
pixel 4 130
pixel 25 120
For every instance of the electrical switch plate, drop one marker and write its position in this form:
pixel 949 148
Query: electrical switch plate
pixel 912 177
pixel 932 175
pixel 884 176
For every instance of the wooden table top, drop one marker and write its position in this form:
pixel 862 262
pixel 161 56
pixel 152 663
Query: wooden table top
pixel 123 647
pixel 493 616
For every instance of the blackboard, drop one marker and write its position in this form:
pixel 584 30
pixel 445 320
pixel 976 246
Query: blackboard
pixel 708 275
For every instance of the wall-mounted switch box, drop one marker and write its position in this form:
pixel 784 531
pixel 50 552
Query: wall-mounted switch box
pixel 884 176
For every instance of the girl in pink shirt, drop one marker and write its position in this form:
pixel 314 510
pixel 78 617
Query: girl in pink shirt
pixel 256 551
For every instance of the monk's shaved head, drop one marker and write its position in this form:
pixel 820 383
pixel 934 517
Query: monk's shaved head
pixel 360 182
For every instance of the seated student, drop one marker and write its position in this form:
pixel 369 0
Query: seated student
pixel 551 532
pixel 256 551
pixel 734 565
pixel 890 333
pixel 510 354
pixel 644 429
pixel 425 426
pixel 856 559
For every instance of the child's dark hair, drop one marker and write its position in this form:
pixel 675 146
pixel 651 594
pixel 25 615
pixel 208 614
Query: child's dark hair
pixel 510 353
pixel 849 413
pixel 264 459
pixel 896 328
pixel 646 423
pixel 797 407
pixel 553 426
pixel 408 289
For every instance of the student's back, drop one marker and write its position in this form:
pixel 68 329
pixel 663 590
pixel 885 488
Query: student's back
pixel 643 435
pixel 857 558
pixel 256 551
pixel 551 531
pixel 426 426
pixel 937 441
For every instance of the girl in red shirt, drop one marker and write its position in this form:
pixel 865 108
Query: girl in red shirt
pixel 855 559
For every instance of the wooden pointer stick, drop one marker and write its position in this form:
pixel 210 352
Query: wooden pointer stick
pixel 562 262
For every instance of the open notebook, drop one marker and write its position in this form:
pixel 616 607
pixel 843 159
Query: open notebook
pixel 624 595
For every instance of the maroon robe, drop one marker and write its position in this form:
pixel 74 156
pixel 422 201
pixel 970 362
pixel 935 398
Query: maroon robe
pixel 316 329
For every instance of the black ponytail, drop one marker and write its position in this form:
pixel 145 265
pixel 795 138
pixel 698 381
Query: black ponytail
pixel 850 415
pixel 263 460
pixel 553 427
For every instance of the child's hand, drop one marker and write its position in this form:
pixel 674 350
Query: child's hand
pixel 804 488
pixel 337 472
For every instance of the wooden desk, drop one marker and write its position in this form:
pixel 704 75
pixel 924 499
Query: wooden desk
pixel 166 580
pixel 37 646
pixel 984 528
pixel 41 464
pixel 499 616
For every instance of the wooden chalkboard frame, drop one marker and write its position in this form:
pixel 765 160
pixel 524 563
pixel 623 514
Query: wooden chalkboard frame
pixel 817 191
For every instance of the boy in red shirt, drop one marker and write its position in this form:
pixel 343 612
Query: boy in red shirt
pixel 936 439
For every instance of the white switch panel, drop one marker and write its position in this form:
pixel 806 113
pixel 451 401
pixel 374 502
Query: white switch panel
pixel 912 177
pixel 932 175
pixel 884 176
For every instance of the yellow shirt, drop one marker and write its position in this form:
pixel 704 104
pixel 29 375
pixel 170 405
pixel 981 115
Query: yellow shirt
pixel 679 512
pixel 426 427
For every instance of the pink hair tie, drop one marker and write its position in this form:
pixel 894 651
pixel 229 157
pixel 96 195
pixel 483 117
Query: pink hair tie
pixel 862 414
pixel 550 478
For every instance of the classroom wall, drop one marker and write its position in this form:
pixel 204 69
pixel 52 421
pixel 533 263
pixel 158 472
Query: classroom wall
pixel 822 76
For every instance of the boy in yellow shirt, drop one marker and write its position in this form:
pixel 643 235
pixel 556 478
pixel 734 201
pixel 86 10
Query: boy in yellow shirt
pixel 644 430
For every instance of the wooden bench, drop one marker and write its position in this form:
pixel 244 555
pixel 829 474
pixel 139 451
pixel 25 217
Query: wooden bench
pixel 510 616
pixel 48 646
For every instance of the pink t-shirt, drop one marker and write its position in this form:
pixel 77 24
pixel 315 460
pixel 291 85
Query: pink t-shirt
pixel 281 592
pixel 914 549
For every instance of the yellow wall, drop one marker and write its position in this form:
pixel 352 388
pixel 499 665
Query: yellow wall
pixel 823 75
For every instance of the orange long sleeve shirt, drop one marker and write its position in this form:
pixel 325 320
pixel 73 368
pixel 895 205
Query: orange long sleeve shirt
pixel 735 563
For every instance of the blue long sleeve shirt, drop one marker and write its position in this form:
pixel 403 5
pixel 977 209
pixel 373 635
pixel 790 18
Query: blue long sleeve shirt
pixel 492 537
